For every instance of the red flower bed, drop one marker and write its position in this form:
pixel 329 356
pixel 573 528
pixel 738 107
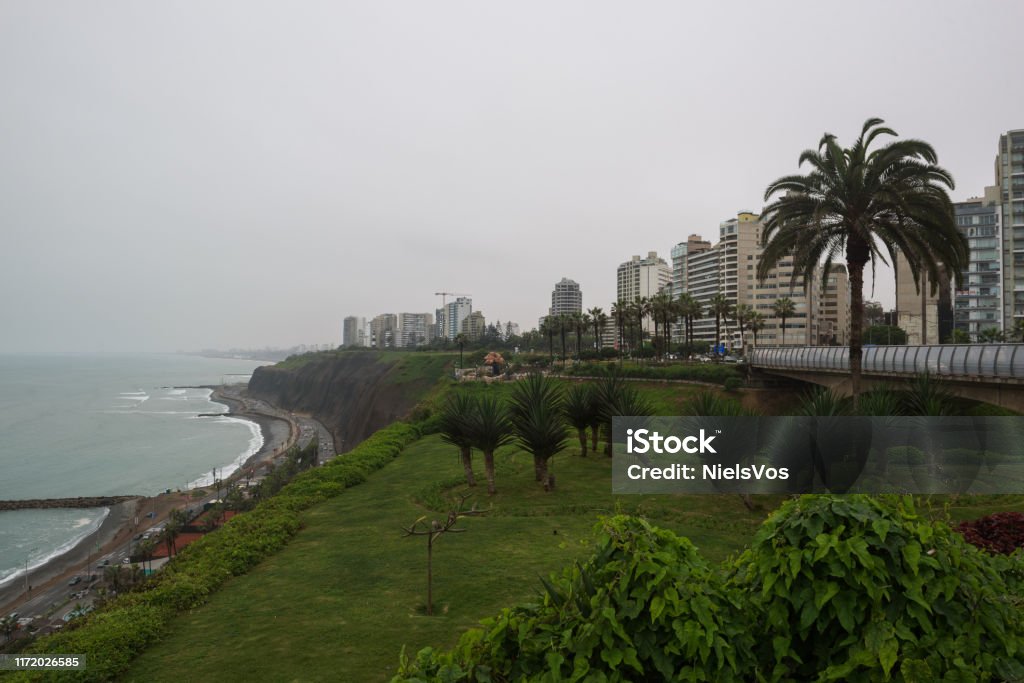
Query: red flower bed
pixel 1002 532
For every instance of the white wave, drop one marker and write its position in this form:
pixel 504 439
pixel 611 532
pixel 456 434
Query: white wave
pixel 34 563
pixel 133 396
pixel 176 392
pixel 255 444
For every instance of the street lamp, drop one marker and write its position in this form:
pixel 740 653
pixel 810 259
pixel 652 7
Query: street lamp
pixel 27 556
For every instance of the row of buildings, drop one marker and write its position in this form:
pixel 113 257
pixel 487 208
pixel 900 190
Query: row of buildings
pixel 410 330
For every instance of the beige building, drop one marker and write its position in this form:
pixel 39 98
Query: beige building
pixel 834 308
pixel 919 312
pixel 473 326
pixel 643 277
pixel 414 329
pixel 382 330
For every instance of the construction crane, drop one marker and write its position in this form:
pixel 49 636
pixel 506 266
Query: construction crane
pixel 444 301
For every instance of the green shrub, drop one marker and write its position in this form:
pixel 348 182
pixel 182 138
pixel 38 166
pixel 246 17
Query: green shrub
pixel 732 383
pixel 710 373
pixel 645 606
pixel 859 588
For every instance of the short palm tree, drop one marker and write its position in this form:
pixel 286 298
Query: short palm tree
pixel 454 425
pixel 579 411
pixel 720 307
pixel 783 308
pixel 864 203
pixel 538 422
pixel 489 429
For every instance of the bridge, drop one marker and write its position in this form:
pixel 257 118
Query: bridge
pixel 991 373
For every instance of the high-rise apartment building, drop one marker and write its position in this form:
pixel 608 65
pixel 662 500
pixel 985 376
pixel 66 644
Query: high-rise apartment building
pixel 473 326
pixel 730 269
pixel 566 298
pixel 455 312
pixel 382 330
pixel 414 329
pixel 643 277
pixel 694 244
pixel 834 308
pixel 1010 181
pixel 926 316
pixel 978 304
pixel 353 331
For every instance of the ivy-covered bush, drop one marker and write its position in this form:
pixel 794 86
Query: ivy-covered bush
pixel 645 606
pixel 859 588
pixel 111 637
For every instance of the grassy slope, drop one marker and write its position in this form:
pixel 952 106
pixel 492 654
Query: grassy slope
pixel 341 600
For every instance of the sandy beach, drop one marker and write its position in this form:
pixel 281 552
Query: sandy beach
pixel 128 518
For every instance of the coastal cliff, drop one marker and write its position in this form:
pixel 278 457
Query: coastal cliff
pixel 352 393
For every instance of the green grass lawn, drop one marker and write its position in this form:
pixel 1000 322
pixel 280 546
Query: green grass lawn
pixel 343 597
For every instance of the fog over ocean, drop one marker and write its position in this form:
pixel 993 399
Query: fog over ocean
pixel 105 424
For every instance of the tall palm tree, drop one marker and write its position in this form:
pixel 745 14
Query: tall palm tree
pixel 454 427
pixel 690 309
pixel 548 328
pixel 756 324
pixel 598 319
pixel 662 310
pixel 864 204
pixel 641 310
pixel 744 314
pixel 538 423
pixel 721 307
pixel 784 308
pixel 620 312
pixel 580 323
pixel 489 429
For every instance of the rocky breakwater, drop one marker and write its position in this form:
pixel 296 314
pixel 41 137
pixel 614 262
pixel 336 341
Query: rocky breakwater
pixel 49 503
pixel 352 393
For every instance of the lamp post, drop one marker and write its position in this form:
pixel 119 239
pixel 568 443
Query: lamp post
pixel 27 556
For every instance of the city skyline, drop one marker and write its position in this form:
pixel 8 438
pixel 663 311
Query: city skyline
pixel 155 198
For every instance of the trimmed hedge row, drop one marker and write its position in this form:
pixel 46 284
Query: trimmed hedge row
pixel 114 635
pixel 711 373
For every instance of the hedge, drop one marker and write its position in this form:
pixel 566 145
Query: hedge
pixel 112 636
pixel 711 373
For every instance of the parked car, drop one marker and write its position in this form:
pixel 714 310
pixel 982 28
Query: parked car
pixel 75 581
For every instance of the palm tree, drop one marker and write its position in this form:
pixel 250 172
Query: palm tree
pixel 454 427
pixel 489 429
pixel 564 322
pixel 8 625
pixel 661 310
pixel 598 319
pixel 548 329
pixel 991 335
pixel 579 409
pixel 756 324
pixel 784 308
pixel 721 307
pixel 537 421
pixel 864 205
pixel 580 321
pixel 175 523
pixel 460 339
pixel 620 311
pixel 744 314
pixel 690 309
pixel 641 309
pixel 1018 329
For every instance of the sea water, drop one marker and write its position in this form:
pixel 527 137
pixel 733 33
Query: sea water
pixel 106 424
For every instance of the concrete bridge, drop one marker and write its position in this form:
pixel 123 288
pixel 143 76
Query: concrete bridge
pixel 991 373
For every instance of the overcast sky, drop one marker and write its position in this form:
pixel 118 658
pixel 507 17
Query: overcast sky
pixel 239 174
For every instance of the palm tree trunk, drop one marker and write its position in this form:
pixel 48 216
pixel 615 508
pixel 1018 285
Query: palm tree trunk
pixel 467 465
pixel 489 467
pixel 783 330
pixel 856 270
pixel 540 468
pixel 594 437
pixel 583 441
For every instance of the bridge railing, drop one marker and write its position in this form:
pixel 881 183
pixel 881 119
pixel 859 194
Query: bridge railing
pixel 951 360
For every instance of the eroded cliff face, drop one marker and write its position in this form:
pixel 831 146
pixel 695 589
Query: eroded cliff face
pixel 353 394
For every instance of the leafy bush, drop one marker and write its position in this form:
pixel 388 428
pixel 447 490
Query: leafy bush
pixel 732 383
pixel 112 636
pixel 1002 532
pixel 862 588
pixel 645 606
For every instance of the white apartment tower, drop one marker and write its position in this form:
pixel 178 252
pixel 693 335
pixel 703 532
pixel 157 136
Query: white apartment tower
pixel 566 298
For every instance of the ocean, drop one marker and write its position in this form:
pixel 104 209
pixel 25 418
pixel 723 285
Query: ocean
pixel 106 424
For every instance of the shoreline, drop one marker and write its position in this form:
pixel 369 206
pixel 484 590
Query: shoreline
pixel 127 518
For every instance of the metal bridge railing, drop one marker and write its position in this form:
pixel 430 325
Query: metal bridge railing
pixel 950 360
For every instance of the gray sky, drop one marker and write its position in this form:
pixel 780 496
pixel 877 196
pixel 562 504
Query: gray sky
pixel 212 174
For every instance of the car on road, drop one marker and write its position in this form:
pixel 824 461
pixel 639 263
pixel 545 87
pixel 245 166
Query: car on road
pixel 75 581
